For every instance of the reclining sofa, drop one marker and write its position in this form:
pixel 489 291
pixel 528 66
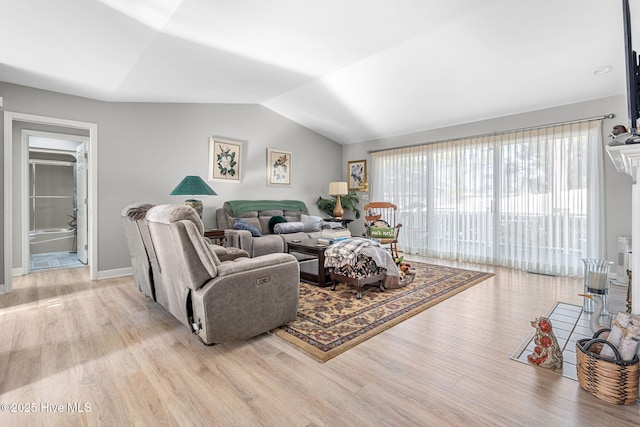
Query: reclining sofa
pixel 220 301
pixel 146 271
pixel 261 240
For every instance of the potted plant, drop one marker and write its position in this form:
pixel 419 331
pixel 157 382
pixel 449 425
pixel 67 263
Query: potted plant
pixel 349 201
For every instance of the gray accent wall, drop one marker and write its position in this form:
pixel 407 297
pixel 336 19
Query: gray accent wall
pixel 145 149
pixel 617 185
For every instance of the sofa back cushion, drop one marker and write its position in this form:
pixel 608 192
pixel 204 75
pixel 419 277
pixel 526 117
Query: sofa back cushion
pixel 182 252
pixel 170 213
pixel 225 216
pixel 183 255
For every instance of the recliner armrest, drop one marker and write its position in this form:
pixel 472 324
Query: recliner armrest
pixel 227 253
pixel 240 265
pixel 240 239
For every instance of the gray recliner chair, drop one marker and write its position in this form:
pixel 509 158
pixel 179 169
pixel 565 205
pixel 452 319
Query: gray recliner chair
pixel 147 273
pixel 218 300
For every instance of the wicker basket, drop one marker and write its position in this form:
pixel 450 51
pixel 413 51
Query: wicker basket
pixel 612 380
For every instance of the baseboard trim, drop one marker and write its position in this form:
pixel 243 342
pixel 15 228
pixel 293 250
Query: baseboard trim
pixel 542 273
pixel 118 272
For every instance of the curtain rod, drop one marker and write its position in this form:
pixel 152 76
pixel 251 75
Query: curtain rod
pixel 588 119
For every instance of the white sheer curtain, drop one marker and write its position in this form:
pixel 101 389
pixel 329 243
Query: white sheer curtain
pixel 530 200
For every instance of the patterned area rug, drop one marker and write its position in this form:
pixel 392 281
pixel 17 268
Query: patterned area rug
pixel 331 322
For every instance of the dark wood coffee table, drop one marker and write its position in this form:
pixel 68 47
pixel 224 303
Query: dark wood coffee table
pixel 311 257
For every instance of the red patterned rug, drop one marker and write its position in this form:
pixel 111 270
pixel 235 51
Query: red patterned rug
pixel 331 322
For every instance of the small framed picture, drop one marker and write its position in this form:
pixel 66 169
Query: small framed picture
pixel 225 160
pixel 357 172
pixel 278 168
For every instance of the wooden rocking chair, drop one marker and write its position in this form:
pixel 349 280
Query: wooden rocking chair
pixel 380 224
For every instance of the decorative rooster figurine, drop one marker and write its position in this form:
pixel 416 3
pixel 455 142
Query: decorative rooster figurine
pixel 547 352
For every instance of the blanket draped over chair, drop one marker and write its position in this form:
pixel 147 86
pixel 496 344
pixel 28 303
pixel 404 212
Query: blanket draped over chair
pixel 345 252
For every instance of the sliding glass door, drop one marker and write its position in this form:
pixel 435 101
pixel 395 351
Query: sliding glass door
pixel 528 199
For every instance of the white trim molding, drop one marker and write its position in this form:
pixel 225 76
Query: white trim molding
pixel 117 272
pixel 626 159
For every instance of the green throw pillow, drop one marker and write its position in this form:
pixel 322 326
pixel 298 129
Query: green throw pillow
pixel 276 219
pixel 382 232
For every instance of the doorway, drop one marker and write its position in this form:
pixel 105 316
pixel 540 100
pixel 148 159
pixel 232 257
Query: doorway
pixel 13 183
pixel 56 198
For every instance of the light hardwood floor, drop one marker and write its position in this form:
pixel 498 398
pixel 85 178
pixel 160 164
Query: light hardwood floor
pixel 67 340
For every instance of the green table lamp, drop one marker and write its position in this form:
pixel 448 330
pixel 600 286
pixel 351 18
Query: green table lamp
pixel 193 186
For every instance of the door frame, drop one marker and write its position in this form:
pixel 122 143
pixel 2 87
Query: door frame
pixel 92 207
pixel 24 198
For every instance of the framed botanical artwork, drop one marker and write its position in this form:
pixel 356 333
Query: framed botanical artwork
pixel 356 172
pixel 278 168
pixel 225 160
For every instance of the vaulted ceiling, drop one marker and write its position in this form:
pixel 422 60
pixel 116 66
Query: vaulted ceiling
pixel 352 70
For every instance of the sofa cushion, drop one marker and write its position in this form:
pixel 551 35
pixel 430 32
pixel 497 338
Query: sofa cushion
pixel 239 224
pixel 276 219
pixel 288 227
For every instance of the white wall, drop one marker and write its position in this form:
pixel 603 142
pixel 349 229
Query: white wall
pixel 617 185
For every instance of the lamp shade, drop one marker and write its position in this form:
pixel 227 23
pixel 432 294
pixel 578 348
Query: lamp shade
pixel 338 188
pixel 193 186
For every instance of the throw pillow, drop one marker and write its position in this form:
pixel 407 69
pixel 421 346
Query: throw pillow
pixel 381 229
pixel 288 227
pixel 243 225
pixel 382 232
pixel 276 219
pixel 311 223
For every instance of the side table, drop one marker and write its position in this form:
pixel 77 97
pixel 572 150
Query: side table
pixel 216 236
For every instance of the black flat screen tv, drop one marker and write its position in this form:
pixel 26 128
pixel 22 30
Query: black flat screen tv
pixel 632 70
